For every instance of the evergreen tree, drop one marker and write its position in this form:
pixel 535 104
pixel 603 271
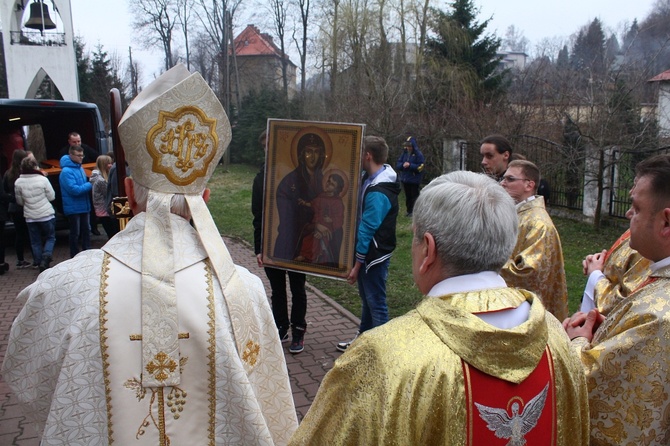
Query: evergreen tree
pixel 83 69
pixel 612 50
pixel 103 78
pixel 256 108
pixel 466 57
pixel 97 76
pixel 563 59
pixel 589 51
pixel 631 38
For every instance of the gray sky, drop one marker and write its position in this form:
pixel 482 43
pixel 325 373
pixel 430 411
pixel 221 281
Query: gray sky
pixel 109 22
pixel 552 18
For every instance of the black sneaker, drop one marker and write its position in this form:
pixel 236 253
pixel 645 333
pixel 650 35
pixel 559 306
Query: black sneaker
pixel 298 342
pixel 283 334
pixel 297 345
pixel 22 264
pixel 343 346
pixel 46 262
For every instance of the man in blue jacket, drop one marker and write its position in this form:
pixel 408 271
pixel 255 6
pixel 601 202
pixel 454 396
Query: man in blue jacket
pixel 410 166
pixel 375 234
pixel 75 191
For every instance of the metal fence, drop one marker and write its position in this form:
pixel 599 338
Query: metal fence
pixel 622 174
pixel 37 38
pixel 561 167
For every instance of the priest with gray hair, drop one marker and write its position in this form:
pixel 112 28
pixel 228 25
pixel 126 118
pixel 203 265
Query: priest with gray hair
pixel 475 362
pixel 158 338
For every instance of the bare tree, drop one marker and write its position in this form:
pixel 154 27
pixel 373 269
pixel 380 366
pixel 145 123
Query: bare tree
pixel 279 10
pixel 334 50
pixel 515 40
pixel 216 17
pixel 184 9
pixel 156 20
pixel 133 75
pixel 302 45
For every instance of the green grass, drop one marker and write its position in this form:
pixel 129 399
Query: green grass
pixel 230 204
pixel 579 240
pixel 230 200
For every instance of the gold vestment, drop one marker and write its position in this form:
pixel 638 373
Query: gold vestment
pixel 624 269
pixel 627 368
pixel 537 260
pixel 403 383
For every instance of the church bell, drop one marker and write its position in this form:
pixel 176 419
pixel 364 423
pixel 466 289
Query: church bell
pixel 39 17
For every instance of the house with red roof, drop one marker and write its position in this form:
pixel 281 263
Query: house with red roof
pixel 663 108
pixel 259 63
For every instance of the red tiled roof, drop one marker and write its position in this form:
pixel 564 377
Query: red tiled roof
pixel 251 42
pixel 664 76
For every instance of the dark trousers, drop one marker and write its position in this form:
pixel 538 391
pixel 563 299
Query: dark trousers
pixel 110 224
pixel 2 241
pixel 79 229
pixel 411 194
pixel 21 237
pixel 296 281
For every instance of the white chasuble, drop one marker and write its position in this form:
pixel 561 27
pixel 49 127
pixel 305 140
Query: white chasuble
pixel 183 414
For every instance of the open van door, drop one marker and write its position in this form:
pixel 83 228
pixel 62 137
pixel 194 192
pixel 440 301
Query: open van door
pixel 43 126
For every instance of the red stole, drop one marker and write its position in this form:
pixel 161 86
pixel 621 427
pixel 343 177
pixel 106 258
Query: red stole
pixel 499 412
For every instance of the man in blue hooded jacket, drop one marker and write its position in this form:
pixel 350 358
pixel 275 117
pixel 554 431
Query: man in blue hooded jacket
pixel 410 167
pixel 76 190
pixel 375 234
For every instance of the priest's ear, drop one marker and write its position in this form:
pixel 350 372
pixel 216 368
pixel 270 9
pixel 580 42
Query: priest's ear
pixel 205 195
pixel 665 230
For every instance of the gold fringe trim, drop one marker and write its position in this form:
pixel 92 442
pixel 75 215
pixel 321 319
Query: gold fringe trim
pixel 104 275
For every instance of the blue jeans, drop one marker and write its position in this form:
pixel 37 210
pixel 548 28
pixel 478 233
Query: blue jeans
pixel 372 288
pixel 38 231
pixel 79 228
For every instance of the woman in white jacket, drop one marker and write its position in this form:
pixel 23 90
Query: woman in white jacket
pixel 34 192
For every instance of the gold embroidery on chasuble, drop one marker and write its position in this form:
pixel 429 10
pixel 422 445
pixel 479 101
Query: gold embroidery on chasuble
pixel 537 263
pixel 103 341
pixel 169 415
pixel 182 141
pixel 625 270
pixel 251 352
pixel 626 366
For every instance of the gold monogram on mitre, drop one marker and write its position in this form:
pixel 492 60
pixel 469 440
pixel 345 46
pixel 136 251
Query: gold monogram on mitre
pixel 182 144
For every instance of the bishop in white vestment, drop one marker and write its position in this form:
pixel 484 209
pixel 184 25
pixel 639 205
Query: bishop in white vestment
pixel 157 338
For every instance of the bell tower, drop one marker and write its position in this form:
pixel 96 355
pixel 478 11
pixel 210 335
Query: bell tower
pixel 38 41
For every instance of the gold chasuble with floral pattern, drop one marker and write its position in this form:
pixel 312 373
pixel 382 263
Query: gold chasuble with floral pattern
pixel 627 368
pixel 624 269
pixel 537 260
pixel 441 376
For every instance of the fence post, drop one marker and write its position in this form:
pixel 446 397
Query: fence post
pixel 591 170
pixel 451 155
pixel 591 180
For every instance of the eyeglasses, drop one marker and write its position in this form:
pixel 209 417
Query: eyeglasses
pixel 79 155
pixel 511 179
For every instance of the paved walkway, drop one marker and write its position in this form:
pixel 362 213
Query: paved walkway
pixel 327 322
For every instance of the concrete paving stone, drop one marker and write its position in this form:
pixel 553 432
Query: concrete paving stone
pixel 8 438
pixel 302 401
pixel 328 323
